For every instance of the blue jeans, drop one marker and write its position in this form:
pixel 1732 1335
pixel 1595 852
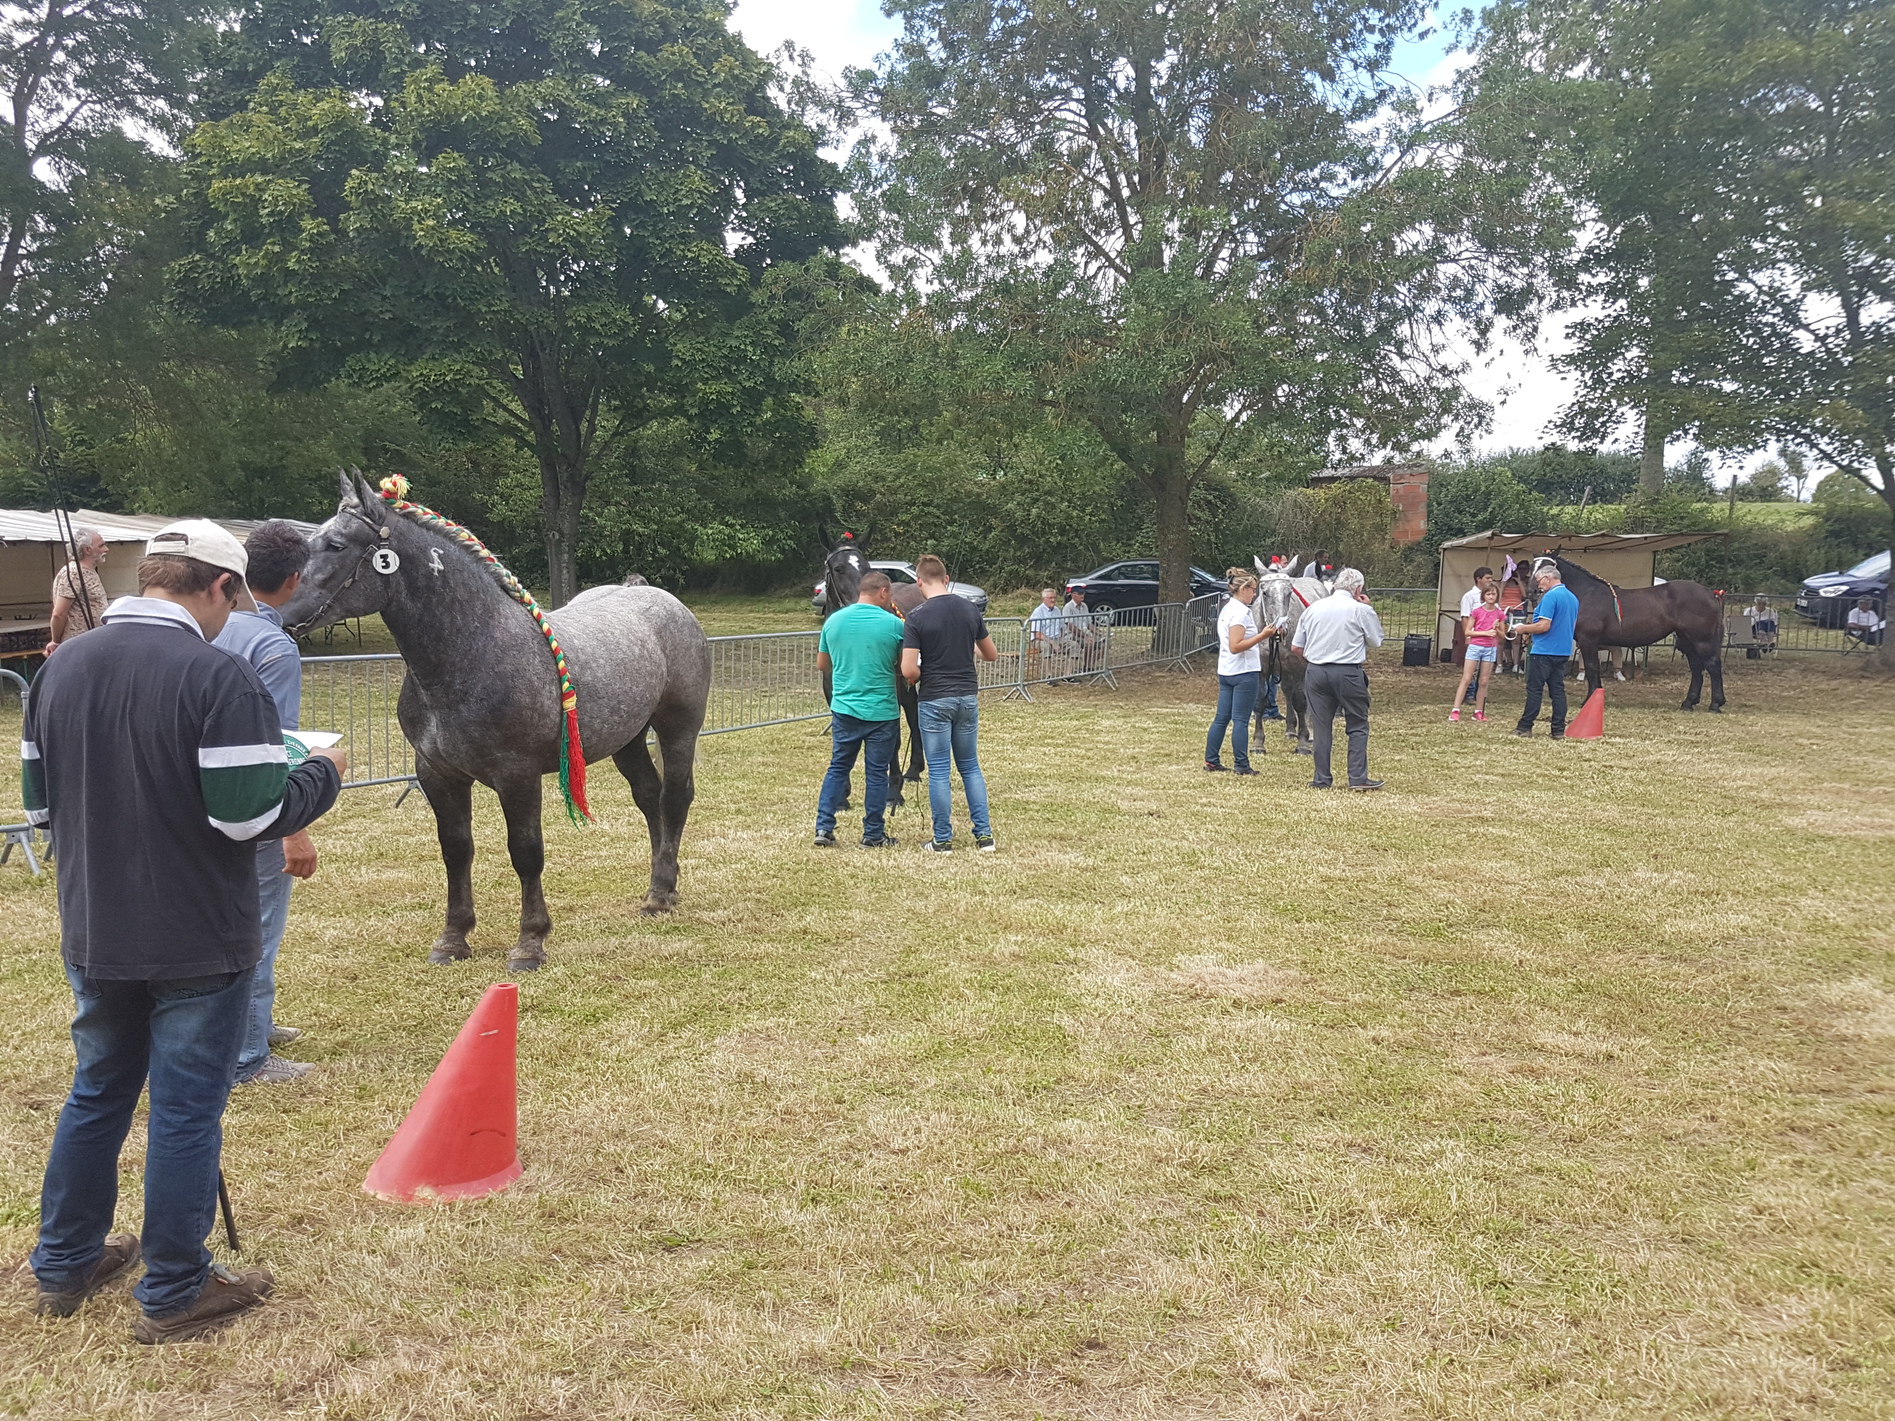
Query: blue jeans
pixel 1236 699
pixel 1270 684
pixel 183 1035
pixel 273 899
pixel 849 737
pixel 951 725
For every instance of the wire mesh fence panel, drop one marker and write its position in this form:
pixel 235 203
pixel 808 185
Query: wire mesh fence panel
pixel 1766 623
pixel 1404 610
pixel 769 679
pixel 355 696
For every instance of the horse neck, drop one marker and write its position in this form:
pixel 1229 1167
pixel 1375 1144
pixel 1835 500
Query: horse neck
pixel 451 622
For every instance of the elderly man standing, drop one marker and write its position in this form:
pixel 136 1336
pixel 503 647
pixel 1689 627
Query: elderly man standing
pixel 78 591
pixel 277 556
pixel 158 919
pixel 1334 636
pixel 1552 633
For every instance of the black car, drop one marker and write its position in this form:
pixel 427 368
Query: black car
pixel 1120 585
pixel 1829 597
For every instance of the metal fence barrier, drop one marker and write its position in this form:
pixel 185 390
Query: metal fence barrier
pixel 771 678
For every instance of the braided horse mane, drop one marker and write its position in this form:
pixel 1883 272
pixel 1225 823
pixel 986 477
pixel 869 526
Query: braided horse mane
pixel 393 492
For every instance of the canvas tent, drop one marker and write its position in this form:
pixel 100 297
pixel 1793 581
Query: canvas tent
pixel 1623 559
pixel 32 549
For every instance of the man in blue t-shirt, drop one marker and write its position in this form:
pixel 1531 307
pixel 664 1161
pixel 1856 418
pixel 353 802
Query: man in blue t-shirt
pixel 861 649
pixel 1552 633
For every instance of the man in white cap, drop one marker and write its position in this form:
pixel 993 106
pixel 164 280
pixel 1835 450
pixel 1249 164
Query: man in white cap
pixel 158 760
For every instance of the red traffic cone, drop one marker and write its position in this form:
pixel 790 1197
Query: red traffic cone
pixel 459 1141
pixel 1589 724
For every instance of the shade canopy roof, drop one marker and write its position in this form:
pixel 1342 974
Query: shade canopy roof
pixel 1494 541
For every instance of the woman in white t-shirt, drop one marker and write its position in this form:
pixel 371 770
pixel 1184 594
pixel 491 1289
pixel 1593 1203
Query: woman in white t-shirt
pixel 1239 671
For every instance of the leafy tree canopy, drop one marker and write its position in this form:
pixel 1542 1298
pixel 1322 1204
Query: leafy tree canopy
pixel 1197 227
pixel 568 220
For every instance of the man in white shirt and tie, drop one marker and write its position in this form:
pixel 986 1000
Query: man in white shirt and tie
pixel 1334 637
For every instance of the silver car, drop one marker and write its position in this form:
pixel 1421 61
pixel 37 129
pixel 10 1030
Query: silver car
pixel 899 572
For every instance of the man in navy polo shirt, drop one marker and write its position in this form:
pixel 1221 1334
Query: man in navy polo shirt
pixel 1552 633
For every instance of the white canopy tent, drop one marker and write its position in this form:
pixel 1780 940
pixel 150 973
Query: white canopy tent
pixel 1623 559
pixel 33 549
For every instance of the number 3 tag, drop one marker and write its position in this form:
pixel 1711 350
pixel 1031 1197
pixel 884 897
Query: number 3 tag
pixel 386 560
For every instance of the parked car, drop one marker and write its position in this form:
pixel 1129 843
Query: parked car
pixel 1121 585
pixel 900 572
pixel 1828 597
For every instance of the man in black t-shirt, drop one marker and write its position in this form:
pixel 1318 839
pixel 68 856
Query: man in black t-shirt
pixel 937 650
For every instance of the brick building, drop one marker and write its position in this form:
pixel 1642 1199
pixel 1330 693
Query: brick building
pixel 1407 489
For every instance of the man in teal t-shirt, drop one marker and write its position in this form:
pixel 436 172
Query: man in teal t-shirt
pixel 1552 632
pixel 861 649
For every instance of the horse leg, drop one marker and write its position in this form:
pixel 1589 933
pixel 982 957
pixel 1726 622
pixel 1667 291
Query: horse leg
pixel 1714 662
pixel 452 800
pixel 678 745
pixel 634 762
pixel 1595 678
pixel 1690 650
pixel 520 802
pixel 911 710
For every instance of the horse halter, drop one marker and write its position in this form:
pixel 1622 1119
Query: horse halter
pixel 381 530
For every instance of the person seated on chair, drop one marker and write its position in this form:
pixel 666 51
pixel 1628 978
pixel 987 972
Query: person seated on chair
pixel 1763 621
pixel 1080 629
pixel 1866 624
pixel 1046 627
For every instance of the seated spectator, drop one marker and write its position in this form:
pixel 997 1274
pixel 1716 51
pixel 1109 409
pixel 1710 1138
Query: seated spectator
pixel 1866 623
pixel 1763 620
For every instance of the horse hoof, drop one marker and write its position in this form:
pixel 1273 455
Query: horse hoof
pixel 1717 710
pixel 655 906
pixel 519 965
pixel 446 953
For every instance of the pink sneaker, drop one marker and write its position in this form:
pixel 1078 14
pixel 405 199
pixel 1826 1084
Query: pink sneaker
pixel 1454 715
pixel 1480 715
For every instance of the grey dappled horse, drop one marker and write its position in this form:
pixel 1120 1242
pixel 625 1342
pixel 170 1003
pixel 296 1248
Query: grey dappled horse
pixel 481 698
pixel 1282 596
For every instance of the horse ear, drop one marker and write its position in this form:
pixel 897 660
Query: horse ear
pixel 1293 564
pixel 371 502
pixel 349 493
pixel 1257 563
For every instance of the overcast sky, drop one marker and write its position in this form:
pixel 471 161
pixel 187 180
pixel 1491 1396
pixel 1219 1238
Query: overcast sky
pixel 846 33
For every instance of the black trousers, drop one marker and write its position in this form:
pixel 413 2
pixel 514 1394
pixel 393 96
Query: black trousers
pixel 1545 673
pixel 1339 688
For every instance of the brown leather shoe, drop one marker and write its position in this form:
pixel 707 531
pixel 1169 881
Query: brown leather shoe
pixel 225 1295
pixel 121 1252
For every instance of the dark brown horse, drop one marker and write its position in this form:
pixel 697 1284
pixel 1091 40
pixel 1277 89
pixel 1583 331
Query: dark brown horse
pixel 1643 616
pixel 842 582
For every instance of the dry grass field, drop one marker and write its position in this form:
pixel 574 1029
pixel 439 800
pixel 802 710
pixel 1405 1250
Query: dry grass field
pixel 1554 1081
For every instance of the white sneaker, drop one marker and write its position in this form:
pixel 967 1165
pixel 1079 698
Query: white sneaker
pixel 283 1035
pixel 277 1071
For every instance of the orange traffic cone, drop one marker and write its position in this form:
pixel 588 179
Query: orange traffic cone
pixel 1589 724
pixel 459 1140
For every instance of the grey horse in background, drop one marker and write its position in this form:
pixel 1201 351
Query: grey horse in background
pixel 481 697
pixel 1281 597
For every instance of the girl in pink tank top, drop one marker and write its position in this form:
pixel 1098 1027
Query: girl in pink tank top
pixel 1483 636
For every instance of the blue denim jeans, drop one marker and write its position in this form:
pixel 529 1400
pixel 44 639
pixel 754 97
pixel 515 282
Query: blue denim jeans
pixel 273 899
pixel 1236 699
pixel 184 1036
pixel 951 726
pixel 1270 684
pixel 875 740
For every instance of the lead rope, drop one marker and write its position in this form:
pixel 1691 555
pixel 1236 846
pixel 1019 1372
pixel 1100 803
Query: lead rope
pixel 572 759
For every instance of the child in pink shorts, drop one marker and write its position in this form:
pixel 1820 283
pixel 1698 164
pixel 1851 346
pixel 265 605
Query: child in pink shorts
pixel 1483 636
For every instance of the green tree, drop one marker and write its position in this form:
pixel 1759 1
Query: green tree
pixel 566 221
pixel 1815 368
pixel 77 78
pixel 1622 104
pixel 1196 228
pixel 1480 496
